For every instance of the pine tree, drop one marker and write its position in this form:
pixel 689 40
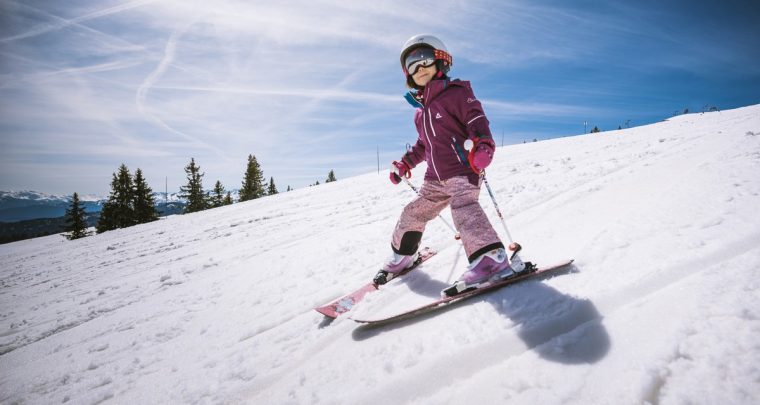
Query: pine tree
pixel 253 182
pixel 227 199
pixel 272 188
pixel 331 177
pixel 144 204
pixel 193 191
pixel 217 196
pixel 125 194
pixel 106 220
pixel 76 220
pixel 118 211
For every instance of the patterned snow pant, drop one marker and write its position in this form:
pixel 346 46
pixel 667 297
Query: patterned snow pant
pixel 478 236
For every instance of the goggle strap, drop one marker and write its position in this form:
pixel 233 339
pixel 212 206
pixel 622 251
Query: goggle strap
pixel 443 55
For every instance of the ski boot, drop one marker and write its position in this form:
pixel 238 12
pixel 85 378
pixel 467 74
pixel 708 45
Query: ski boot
pixel 395 267
pixel 491 267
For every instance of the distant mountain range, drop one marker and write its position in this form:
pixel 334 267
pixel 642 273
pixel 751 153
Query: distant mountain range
pixel 24 205
pixel 27 205
pixel 29 214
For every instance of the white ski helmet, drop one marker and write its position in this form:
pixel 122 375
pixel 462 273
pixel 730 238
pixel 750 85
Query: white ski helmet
pixel 430 41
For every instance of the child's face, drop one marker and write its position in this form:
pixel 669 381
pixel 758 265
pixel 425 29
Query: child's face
pixel 424 75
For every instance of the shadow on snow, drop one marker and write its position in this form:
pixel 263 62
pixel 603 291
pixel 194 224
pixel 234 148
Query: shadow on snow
pixel 557 326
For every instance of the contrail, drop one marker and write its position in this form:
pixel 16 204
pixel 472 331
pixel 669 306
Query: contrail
pixel 62 22
pixel 154 76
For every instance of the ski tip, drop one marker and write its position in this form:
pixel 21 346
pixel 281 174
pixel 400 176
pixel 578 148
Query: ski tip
pixel 327 312
pixel 372 322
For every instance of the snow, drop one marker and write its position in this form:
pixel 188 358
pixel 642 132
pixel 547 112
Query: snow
pixel 216 307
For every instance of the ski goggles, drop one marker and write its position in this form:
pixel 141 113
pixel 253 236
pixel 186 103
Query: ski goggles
pixel 420 57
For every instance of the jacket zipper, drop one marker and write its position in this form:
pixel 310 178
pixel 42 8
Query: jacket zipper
pixel 424 127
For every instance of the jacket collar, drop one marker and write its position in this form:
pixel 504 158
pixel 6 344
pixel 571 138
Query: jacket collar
pixel 412 100
pixel 430 92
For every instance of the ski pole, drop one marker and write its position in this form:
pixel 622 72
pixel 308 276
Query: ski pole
pixel 515 261
pixel 468 144
pixel 496 205
pixel 456 234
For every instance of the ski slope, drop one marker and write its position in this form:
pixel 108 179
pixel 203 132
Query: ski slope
pixel 216 307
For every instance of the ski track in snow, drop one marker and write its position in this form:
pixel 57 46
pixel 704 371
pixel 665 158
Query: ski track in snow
pixel 216 307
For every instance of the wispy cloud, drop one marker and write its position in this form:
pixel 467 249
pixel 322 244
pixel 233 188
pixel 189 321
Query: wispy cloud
pixel 301 84
pixel 58 23
pixel 152 78
pixel 522 109
pixel 300 93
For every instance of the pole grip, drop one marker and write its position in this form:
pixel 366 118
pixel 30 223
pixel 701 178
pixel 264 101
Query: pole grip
pixel 468 144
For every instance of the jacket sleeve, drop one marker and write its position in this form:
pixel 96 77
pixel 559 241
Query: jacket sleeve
pixel 416 153
pixel 470 113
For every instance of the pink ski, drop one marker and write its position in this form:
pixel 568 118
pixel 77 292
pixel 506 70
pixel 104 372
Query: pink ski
pixel 442 302
pixel 347 302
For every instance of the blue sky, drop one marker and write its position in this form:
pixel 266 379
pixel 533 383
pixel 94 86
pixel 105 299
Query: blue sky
pixel 310 86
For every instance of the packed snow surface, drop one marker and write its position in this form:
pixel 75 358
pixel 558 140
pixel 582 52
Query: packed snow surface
pixel 217 307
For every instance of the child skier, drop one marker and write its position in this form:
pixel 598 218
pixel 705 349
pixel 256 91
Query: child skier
pixel 448 115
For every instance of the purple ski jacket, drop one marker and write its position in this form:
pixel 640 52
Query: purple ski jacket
pixel 448 115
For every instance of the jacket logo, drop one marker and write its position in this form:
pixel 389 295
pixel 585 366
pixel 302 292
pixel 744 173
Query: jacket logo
pixel 470 100
pixel 438 116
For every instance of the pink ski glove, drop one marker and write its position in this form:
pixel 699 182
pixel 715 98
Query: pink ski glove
pixel 398 170
pixel 481 154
